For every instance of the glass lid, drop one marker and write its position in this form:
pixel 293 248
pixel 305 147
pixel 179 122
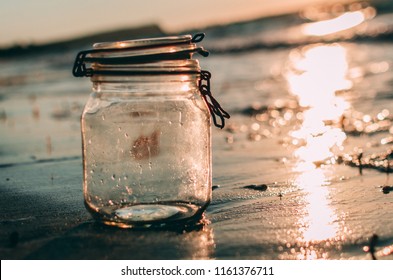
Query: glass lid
pixel 141 51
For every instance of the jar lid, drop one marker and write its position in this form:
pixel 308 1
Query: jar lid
pixel 140 51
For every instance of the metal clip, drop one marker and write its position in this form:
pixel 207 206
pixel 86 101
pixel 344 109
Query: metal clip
pixel 79 69
pixel 198 38
pixel 213 105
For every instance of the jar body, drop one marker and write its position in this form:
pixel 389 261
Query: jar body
pixel 146 151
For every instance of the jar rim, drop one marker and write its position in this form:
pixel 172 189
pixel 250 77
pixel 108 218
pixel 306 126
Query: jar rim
pixel 147 42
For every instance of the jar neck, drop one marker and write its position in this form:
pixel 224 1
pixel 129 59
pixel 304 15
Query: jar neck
pixel 146 84
pixel 164 77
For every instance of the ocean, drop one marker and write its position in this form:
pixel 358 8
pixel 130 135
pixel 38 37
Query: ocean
pixel 310 97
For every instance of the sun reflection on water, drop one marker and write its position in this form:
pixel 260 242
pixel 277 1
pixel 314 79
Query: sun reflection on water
pixel 316 75
pixel 318 222
pixel 340 23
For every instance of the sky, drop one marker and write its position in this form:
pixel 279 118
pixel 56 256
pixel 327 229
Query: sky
pixel 40 21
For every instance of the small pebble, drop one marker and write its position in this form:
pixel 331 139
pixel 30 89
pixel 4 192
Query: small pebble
pixel 215 187
pixel 261 187
pixel 387 189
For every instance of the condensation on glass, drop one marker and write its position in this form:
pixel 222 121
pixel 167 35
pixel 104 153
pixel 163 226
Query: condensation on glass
pixel 146 131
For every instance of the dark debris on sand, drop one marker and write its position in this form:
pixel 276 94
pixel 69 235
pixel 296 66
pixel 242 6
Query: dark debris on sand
pixel 382 162
pixel 387 189
pixel 261 187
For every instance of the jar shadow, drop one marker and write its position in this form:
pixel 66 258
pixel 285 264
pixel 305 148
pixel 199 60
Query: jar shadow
pixel 94 241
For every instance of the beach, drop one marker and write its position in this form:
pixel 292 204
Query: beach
pixel 302 169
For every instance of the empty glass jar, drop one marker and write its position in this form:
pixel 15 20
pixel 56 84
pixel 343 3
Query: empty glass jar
pixel 146 131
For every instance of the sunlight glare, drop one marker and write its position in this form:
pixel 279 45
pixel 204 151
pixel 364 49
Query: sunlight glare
pixel 340 23
pixel 316 73
pixel 318 223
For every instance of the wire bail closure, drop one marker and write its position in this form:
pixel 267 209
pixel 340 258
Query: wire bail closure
pixel 215 108
pixel 87 56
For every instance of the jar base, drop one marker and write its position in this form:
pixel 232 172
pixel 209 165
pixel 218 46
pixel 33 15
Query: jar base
pixel 148 215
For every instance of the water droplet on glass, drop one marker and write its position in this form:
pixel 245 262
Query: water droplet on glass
pixel 129 190
pixel 89 141
pixel 126 135
pixel 102 181
pixel 113 177
pixel 180 119
pixel 119 128
pixel 103 117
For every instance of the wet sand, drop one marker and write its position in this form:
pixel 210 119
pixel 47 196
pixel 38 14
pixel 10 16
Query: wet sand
pixel 329 212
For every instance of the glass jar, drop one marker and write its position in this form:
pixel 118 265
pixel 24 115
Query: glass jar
pixel 146 132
